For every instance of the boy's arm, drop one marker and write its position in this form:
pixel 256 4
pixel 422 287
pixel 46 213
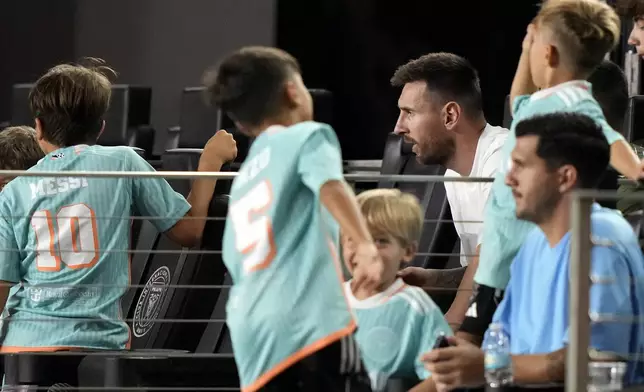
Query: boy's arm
pixel 625 160
pixel 183 221
pixel 336 196
pixel 522 83
pixel 320 167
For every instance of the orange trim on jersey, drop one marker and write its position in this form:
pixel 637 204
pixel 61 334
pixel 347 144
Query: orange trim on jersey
pixel 19 349
pixel 316 346
pixel 75 234
pixel 303 353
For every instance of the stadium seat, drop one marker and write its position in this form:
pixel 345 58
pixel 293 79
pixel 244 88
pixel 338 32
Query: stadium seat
pixel 171 265
pixel 634 123
pixel 507 113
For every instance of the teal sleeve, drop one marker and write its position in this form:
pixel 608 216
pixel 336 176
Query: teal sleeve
pixel 154 197
pixel 594 111
pixel 9 253
pixel 320 159
pixel 433 324
pixel 519 103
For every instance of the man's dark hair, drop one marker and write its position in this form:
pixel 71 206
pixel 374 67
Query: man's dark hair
pixel 569 139
pixel 632 9
pixel 249 83
pixel 610 89
pixel 449 76
pixel 70 101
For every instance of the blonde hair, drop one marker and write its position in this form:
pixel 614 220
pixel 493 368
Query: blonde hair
pixel 583 30
pixel 391 212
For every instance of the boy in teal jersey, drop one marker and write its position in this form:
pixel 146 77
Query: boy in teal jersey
pixel 289 321
pixel 568 39
pixel 65 240
pixel 400 323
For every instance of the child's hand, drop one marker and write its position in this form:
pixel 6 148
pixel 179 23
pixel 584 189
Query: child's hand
pixel 221 148
pixel 529 38
pixel 369 268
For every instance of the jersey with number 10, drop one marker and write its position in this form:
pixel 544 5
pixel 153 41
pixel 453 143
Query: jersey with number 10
pixel 287 301
pixel 65 241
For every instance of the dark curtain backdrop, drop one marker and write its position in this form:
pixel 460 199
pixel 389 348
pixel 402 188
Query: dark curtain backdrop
pixel 353 47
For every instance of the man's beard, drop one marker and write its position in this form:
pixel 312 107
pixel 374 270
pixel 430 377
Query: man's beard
pixel 543 209
pixel 438 154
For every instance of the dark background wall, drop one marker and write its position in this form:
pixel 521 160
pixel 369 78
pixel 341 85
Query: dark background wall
pixel 349 47
pixel 164 44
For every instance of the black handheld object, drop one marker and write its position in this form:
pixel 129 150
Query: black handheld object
pixel 441 341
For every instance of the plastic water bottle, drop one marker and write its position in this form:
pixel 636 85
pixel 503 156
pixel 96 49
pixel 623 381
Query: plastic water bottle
pixel 498 361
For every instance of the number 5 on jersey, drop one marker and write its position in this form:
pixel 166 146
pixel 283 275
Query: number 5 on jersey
pixel 75 242
pixel 253 228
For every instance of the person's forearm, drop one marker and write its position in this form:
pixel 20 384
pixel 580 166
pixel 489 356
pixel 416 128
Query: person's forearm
pixel 340 202
pixel 539 369
pixel 625 160
pixel 522 83
pixel 457 310
pixel 201 195
pixel 426 385
pixel 444 279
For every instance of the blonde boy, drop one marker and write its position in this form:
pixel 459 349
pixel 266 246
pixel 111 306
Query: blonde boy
pixel 400 323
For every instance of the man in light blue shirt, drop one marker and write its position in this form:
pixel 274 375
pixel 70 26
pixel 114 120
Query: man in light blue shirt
pixel 554 155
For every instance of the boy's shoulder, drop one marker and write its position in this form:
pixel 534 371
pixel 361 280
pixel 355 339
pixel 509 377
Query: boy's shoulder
pixel 567 97
pixel 298 134
pixel 400 295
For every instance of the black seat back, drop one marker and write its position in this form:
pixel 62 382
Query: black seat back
pixel 172 265
pixel 198 120
pixel 634 122
pixel 507 113
pixel 129 109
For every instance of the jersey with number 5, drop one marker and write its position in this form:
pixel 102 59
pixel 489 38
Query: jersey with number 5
pixel 287 301
pixel 65 241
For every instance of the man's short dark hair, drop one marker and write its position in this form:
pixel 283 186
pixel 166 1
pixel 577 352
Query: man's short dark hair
pixel 632 9
pixel 610 89
pixel 449 76
pixel 569 139
pixel 19 149
pixel 248 84
pixel 71 100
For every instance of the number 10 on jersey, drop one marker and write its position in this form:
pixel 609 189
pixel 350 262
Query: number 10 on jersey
pixel 69 237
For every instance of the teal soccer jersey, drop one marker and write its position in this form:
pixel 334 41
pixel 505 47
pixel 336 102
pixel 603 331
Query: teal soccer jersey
pixel 280 247
pixel 65 242
pixel 503 233
pixel 395 328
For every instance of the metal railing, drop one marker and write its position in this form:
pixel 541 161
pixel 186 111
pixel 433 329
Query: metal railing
pixel 579 327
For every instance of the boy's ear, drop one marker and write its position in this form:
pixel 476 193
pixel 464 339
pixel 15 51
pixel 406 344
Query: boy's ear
pixel 410 252
pixel 553 57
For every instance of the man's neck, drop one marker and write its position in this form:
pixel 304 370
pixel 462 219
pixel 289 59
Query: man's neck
pixel 465 144
pixel 557 225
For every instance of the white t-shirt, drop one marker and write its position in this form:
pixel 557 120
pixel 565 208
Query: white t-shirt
pixel 467 200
